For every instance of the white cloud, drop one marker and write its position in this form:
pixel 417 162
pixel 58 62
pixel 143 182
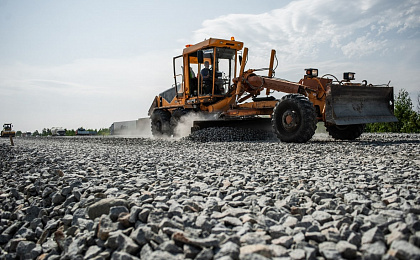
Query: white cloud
pixel 364 45
pixel 299 28
pixel 334 36
pixel 403 15
pixel 93 92
pixel 91 76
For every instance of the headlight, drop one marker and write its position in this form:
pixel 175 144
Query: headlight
pixel 348 76
pixel 311 73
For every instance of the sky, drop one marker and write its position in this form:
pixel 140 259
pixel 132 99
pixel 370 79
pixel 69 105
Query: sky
pixel 90 63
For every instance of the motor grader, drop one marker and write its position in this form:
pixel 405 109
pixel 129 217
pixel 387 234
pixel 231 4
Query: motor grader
pixel 210 78
pixel 7 131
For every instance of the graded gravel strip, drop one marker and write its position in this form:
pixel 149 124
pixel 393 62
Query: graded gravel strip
pixel 198 198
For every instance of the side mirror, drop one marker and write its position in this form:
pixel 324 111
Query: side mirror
pixel 240 59
pixel 200 56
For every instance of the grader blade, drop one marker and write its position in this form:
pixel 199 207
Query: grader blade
pixel 349 105
pixel 252 123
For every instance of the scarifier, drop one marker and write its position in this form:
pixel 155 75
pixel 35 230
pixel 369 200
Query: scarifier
pixel 206 82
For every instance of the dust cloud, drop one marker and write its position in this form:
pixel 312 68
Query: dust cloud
pixel 136 128
pixel 321 133
pixel 185 123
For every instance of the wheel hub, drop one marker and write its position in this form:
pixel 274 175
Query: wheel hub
pixel 289 120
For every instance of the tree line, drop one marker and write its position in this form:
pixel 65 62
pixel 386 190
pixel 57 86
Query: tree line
pixel 69 132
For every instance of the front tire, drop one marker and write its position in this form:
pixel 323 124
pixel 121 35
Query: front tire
pixel 176 117
pixel 345 132
pixel 161 123
pixel 294 119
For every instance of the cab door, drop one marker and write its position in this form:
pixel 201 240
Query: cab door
pixel 179 76
pixel 191 74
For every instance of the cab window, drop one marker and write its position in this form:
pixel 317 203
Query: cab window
pixel 225 69
pixel 206 72
pixel 178 76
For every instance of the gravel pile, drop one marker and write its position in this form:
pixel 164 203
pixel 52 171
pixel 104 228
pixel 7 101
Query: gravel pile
pixel 131 198
pixel 230 134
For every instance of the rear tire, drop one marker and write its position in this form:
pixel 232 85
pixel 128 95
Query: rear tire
pixel 345 132
pixel 294 119
pixel 161 123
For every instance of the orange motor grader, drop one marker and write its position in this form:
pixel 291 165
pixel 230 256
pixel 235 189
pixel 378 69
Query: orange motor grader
pixel 210 78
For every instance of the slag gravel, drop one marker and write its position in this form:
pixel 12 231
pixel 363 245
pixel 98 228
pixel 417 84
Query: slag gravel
pixel 230 134
pixel 138 198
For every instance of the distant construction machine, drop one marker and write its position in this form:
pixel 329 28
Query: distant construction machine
pixel 58 131
pixel 7 131
pixel 82 131
pixel 344 107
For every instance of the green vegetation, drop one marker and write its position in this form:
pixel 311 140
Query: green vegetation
pixel 46 132
pixel 103 131
pixel 69 132
pixel 408 119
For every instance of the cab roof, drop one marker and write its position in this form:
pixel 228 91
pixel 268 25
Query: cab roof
pixel 212 42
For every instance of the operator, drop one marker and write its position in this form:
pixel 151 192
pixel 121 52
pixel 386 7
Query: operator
pixel 206 74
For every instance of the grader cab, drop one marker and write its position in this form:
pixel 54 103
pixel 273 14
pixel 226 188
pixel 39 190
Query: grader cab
pixel 210 78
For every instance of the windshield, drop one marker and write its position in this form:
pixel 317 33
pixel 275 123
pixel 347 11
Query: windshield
pixel 213 74
pixel 217 71
pixel 225 69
